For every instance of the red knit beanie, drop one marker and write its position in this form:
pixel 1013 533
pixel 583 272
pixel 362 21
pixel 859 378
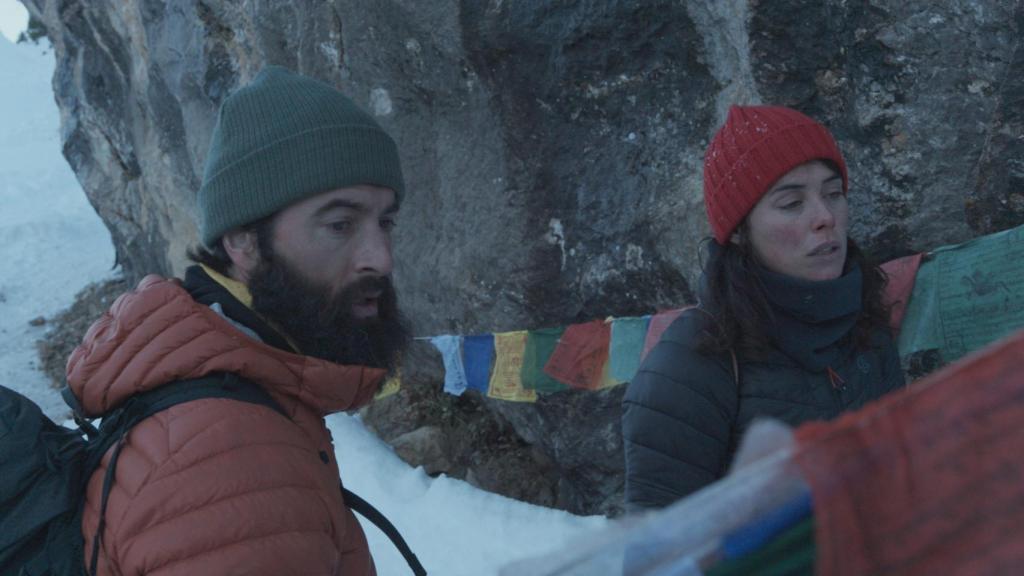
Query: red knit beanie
pixel 755 147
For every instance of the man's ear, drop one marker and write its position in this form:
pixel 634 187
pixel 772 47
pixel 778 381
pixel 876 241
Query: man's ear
pixel 243 249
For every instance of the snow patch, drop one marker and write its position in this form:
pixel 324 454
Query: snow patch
pixel 380 102
pixel 556 236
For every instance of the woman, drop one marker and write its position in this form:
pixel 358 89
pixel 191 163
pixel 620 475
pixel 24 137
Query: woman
pixel 790 322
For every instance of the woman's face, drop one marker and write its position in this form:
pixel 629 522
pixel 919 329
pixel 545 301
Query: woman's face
pixel 798 228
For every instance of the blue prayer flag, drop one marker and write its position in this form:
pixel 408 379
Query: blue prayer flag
pixel 477 356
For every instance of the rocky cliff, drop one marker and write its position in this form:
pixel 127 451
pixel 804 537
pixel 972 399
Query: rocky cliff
pixel 553 153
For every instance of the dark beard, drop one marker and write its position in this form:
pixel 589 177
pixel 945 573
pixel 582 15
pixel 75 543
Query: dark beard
pixel 322 326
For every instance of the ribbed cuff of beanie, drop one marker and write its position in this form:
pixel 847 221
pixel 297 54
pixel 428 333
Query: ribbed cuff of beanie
pixel 761 166
pixel 294 168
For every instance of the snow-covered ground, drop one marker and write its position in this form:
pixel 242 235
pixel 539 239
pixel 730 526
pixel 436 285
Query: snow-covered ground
pixel 452 527
pixel 52 244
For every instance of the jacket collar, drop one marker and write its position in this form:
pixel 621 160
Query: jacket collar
pixel 234 287
pixel 158 333
pixel 209 287
pixel 810 318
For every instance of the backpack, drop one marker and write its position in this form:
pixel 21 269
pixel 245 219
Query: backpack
pixel 44 469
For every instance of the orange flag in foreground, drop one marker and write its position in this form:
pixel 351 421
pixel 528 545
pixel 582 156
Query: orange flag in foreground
pixel 901 272
pixel 928 480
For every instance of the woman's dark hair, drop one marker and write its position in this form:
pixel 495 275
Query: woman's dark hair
pixel 216 257
pixel 736 298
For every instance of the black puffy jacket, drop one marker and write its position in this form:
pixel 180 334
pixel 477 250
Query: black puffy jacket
pixel 684 413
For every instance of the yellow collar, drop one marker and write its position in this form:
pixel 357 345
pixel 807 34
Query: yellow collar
pixel 241 293
pixel 237 289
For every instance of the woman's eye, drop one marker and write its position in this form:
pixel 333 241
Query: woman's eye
pixel 793 205
pixel 340 225
pixel 388 223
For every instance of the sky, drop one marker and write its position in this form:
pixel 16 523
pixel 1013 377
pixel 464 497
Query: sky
pixel 13 19
pixel 52 244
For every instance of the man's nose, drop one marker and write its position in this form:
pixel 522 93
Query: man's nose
pixel 373 255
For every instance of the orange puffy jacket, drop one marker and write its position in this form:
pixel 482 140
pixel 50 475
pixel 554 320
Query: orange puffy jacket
pixel 217 486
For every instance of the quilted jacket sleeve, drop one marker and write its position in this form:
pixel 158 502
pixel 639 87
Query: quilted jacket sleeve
pixel 677 419
pixel 893 368
pixel 219 487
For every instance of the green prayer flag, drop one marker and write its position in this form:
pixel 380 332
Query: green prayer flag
pixel 627 345
pixel 790 553
pixel 966 296
pixel 539 346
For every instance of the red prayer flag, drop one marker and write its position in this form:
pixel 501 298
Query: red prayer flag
pixel 901 272
pixel 659 322
pixel 928 480
pixel 581 354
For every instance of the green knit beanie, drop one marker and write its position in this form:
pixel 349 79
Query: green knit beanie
pixel 283 138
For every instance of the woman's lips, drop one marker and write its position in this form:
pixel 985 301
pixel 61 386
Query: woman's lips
pixel 825 249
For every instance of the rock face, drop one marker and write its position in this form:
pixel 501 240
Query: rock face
pixel 553 150
pixel 427 444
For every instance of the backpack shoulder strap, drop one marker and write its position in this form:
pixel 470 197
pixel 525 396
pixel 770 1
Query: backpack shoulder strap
pixel 115 426
pixel 141 406
pixel 366 510
pixel 220 385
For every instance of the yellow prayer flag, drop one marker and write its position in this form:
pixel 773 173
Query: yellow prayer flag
pixel 506 383
pixel 607 380
pixel 391 386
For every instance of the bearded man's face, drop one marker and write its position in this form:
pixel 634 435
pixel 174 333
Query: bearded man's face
pixel 321 323
pixel 324 277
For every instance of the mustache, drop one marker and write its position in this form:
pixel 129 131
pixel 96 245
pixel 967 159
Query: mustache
pixel 320 320
pixel 341 303
pixel 369 285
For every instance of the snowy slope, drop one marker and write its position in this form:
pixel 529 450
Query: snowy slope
pixel 454 529
pixel 52 244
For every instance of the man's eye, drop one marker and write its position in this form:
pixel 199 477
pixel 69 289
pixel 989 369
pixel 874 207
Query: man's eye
pixel 836 194
pixel 340 225
pixel 388 223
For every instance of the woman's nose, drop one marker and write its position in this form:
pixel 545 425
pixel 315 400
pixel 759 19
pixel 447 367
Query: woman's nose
pixel 824 215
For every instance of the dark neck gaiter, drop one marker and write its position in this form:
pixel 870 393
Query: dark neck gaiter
pixel 811 317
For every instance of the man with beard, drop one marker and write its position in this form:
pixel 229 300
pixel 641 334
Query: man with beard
pixel 292 293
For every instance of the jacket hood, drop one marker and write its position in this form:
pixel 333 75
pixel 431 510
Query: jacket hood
pixel 158 334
